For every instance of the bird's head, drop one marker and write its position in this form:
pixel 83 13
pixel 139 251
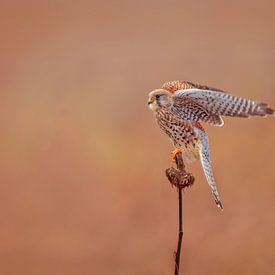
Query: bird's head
pixel 159 98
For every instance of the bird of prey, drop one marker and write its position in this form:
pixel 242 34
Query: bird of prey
pixel 180 107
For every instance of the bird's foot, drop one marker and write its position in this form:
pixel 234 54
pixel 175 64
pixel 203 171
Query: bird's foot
pixel 174 153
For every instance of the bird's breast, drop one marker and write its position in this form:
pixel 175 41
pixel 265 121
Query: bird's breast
pixel 181 133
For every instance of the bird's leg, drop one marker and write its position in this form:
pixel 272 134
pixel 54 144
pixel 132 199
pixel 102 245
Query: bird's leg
pixel 174 153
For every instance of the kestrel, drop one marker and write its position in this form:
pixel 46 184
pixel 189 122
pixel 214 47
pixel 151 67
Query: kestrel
pixel 180 106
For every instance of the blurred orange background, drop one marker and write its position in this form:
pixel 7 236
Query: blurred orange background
pixel 83 189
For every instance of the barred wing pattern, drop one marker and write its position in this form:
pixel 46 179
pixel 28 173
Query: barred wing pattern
pixel 189 109
pixel 205 158
pixel 216 103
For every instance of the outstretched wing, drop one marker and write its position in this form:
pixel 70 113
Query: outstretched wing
pixel 220 103
pixel 205 158
pixel 196 102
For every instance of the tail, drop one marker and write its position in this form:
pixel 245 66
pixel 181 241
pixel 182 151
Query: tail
pixel 205 158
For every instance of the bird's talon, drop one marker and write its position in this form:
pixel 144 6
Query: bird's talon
pixel 174 153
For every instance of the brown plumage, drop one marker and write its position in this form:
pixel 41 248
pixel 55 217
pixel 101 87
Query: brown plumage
pixel 180 106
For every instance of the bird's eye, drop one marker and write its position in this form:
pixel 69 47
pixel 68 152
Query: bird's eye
pixel 157 96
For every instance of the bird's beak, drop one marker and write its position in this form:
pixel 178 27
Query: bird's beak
pixel 151 100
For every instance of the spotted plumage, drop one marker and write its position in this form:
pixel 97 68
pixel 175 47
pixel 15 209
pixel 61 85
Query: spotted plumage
pixel 181 106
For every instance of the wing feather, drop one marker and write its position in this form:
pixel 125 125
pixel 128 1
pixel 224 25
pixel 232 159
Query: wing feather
pixel 220 103
pixel 187 108
pixel 204 151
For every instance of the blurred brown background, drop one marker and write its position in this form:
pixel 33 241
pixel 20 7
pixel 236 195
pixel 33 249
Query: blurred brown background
pixel 82 160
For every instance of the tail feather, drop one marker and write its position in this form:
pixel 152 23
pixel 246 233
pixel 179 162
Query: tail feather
pixel 206 164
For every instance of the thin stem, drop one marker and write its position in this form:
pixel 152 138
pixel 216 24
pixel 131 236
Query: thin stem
pixel 180 179
pixel 177 261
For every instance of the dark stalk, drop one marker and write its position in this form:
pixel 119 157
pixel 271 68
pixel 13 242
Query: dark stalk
pixel 180 179
pixel 177 259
